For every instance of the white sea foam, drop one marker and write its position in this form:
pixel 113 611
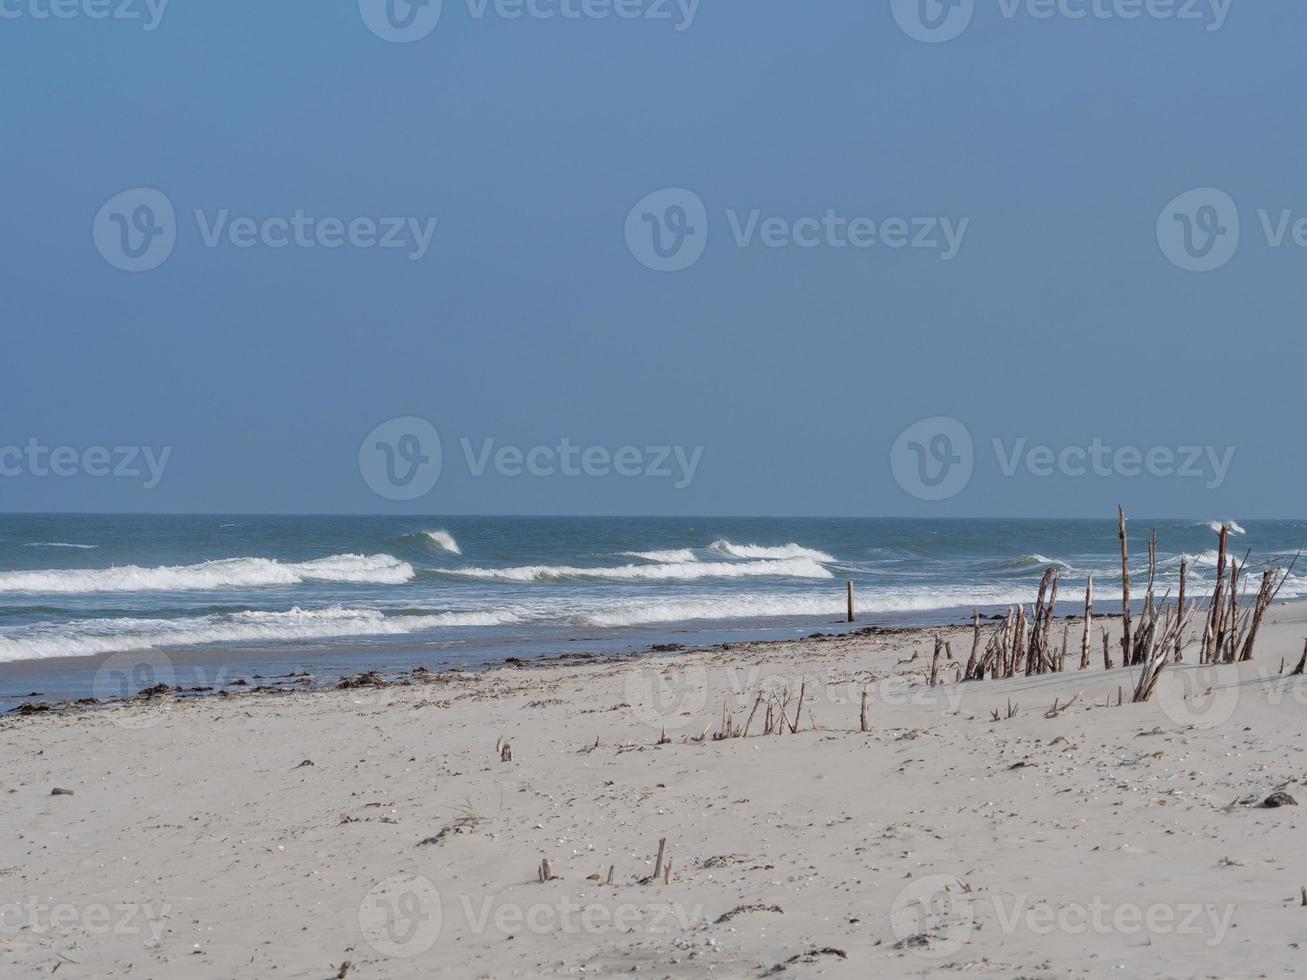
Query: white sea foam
pixel 1208 559
pixel 672 557
pixel 1232 525
pixel 791 550
pixel 444 541
pixel 715 608
pixel 762 606
pixel 87 637
pixel 222 574
pixel 58 544
pixel 677 571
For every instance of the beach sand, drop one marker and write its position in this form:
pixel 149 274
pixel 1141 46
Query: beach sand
pixel 1105 840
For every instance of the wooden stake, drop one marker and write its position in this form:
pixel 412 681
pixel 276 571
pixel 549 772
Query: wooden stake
pixel 745 733
pixel 1019 643
pixel 798 714
pixel 1179 637
pixel 658 866
pixel 1089 623
pixel 1125 589
pixel 975 646
pixel 611 869
pixel 1212 634
pixel 851 616
pixel 863 725
pixel 1034 656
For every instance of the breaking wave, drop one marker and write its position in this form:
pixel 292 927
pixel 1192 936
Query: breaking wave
pixel 444 541
pixel 225 573
pixel 1023 562
pixel 670 571
pixel 672 557
pixel 1232 525
pixel 724 547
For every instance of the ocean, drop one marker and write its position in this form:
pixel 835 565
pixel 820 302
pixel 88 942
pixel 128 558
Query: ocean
pixel 205 597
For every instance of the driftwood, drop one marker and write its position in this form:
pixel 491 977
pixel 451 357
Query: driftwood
pixel 1160 629
pixel 1213 632
pixel 1039 657
pixel 1272 582
pixel 1058 708
pixel 1021 643
pixel 1012 710
pixel 1141 643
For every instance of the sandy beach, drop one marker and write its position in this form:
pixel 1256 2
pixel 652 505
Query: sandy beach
pixel 287 835
pixel 561 489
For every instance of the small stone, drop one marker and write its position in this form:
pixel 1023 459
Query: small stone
pixel 1278 800
pixel 60 791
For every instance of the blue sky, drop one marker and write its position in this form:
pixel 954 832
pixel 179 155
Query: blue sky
pixel 1055 143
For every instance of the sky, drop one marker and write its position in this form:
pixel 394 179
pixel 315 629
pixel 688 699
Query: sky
pixel 866 258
